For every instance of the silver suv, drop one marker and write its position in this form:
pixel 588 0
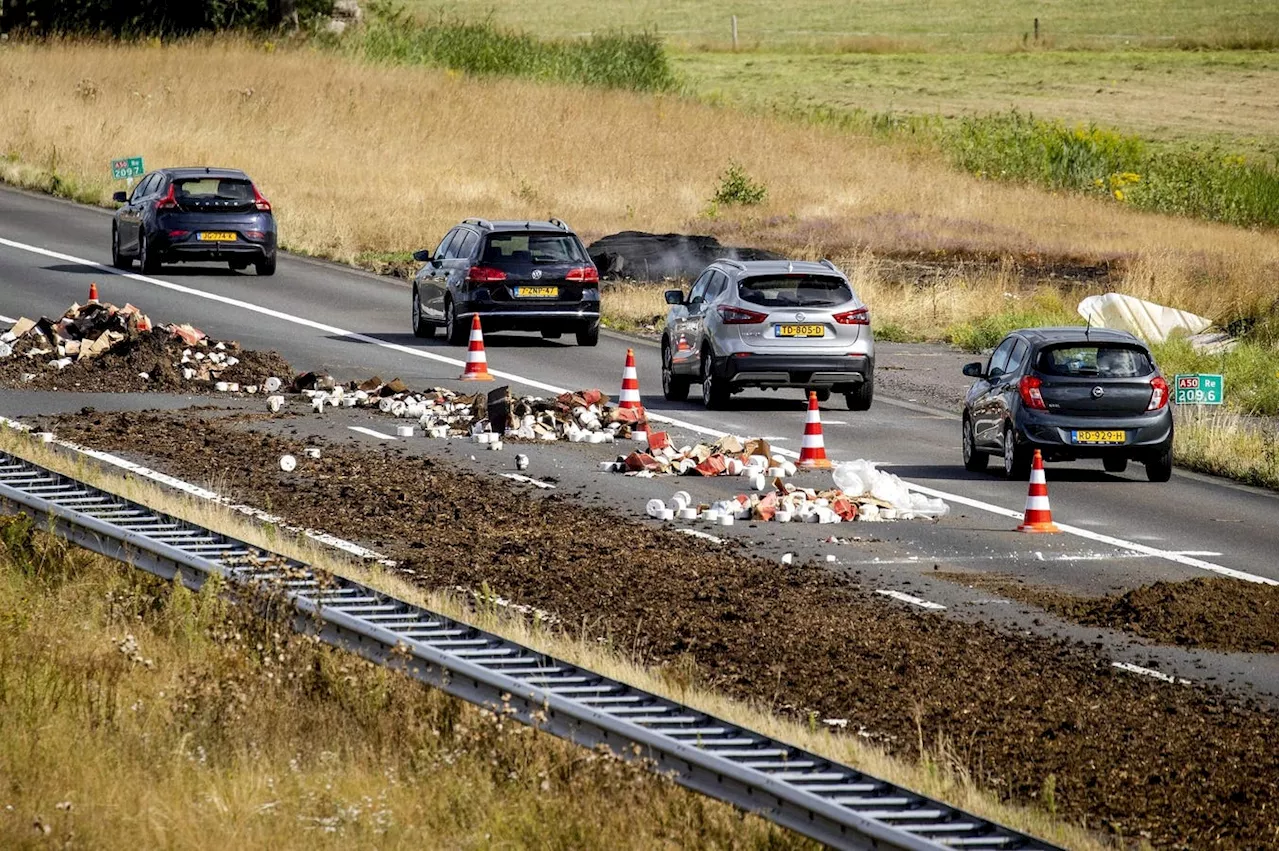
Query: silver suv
pixel 768 324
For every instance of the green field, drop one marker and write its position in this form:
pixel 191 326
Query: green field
pixel 944 23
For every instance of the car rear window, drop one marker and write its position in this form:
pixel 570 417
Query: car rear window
pixel 795 291
pixel 532 248
pixel 1095 361
pixel 213 189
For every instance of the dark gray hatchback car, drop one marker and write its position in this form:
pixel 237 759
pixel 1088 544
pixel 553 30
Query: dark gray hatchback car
pixel 194 214
pixel 1071 393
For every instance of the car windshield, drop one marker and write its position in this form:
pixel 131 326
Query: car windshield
pixel 532 248
pixel 795 291
pixel 1095 361
pixel 213 188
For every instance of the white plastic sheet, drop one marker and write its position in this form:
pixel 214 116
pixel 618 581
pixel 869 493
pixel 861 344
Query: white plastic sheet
pixel 1146 319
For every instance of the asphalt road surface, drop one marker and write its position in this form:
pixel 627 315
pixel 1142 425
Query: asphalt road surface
pixel 1119 530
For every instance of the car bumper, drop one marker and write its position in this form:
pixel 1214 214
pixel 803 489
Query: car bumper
pixel 1052 434
pixel 239 250
pixel 533 317
pixel 837 372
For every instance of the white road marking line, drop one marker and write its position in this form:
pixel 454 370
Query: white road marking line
pixel 698 533
pixel 202 493
pixel 915 601
pixel 1147 672
pixel 1195 553
pixel 8 319
pixel 371 432
pixel 528 480
pixel 332 330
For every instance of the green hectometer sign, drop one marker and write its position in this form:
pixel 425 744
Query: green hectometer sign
pixel 1197 390
pixel 126 168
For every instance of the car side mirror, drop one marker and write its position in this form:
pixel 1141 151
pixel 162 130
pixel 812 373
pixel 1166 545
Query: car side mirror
pixel 422 255
pixel 120 197
pixel 974 370
pixel 673 296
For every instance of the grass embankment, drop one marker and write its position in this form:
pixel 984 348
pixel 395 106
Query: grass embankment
pixel 197 733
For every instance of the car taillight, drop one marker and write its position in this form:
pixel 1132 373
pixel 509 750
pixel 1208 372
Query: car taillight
pixel 178 234
pixel 168 202
pixel 861 316
pixel 485 274
pixel 255 234
pixel 261 203
pixel 1029 390
pixel 1159 394
pixel 739 316
pixel 585 274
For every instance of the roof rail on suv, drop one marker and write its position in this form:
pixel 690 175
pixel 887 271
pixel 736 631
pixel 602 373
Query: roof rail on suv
pixel 825 262
pixel 729 262
pixel 559 224
pixel 483 223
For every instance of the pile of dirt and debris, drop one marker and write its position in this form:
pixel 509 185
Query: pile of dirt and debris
pixel 654 257
pixel 1184 767
pixel 101 347
pixel 1217 613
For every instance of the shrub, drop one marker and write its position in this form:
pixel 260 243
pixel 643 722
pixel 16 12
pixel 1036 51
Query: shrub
pixel 737 187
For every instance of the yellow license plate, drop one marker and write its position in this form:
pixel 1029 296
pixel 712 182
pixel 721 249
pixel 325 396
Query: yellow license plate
pixel 537 292
pixel 216 236
pixel 1097 436
pixel 801 331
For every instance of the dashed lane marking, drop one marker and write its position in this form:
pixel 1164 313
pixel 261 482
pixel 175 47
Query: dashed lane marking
pixel 332 330
pixel 8 319
pixel 915 601
pixel 372 433
pixel 1148 672
pixel 528 480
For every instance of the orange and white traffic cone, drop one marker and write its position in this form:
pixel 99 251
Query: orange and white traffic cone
pixel 93 293
pixel 813 454
pixel 630 395
pixel 1037 517
pixel 477 365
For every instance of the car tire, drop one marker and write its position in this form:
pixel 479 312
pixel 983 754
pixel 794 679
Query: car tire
pixel 823 395
pixel 421 328
pixel 117 259
pixel 675 388
pixel 238 265
pixel 589 334
pixel 147 261
pixel 266 266
pixel 975 460
pixel 1160 466
pixel 715 390
pixel 860 399
pixel 454 332
pixel 1017 459
pixel 1115 463
pixel 551 335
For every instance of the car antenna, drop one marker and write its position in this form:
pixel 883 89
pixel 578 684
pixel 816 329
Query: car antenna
pixel 1088 323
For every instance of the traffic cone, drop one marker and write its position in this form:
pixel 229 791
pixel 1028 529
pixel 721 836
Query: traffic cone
pixel 93 293
pixel 813 455
pixel 630 395
pixel 1037 517
pixel 477 365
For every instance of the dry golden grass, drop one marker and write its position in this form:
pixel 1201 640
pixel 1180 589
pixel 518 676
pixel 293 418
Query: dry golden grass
pixel 940 773
pixel 360 158
pixel 1224 443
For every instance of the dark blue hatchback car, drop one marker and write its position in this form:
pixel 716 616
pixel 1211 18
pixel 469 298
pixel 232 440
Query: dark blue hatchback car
pixel 187 214
pixel 1071 393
